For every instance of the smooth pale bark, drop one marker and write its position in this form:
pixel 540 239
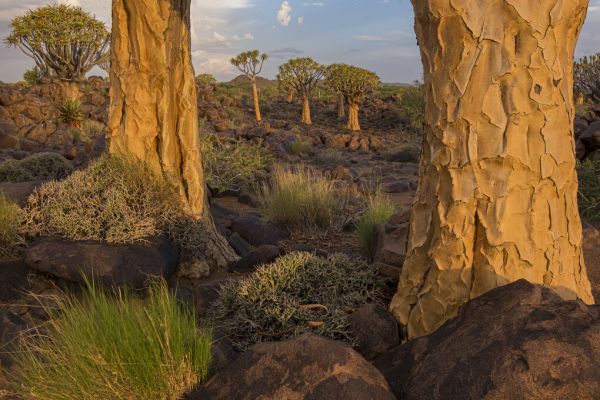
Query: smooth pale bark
pixel 256 102
pixel 353 123
pixel 497 199
pixel 306 119
pixel 153 113
pixel 341 107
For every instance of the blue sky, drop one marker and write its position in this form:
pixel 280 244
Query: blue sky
pixel 374 34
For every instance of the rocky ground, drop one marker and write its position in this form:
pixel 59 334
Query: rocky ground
pixel 523 341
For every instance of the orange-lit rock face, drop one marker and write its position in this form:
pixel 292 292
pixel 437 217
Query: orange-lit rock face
pixel 497 199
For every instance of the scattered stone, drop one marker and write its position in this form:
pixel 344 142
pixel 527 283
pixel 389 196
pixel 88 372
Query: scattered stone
pixel 261 255
pixel 257 232
pixel 400 186
pixel 13 280
pixel 308 367
pixel 202 296
pixel 404 156
pixel 8 141
pixel 519 341
pixel 238 244
pixel 390 243
pixel 343 173
pixel 337 141
pixel 11 327
pixel 376 330
pixel 591 137
pixel 129 265
pixel 19 192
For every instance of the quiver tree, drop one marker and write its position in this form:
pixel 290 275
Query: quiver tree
pixel 302 75
pixel 497 198
pixel 250 64
pixel 353 84
pixel 587 77
pixel 153 111
pixel 341 101
pixel 64 41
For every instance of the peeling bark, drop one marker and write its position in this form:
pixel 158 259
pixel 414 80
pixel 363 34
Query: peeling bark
pixel 306 119
pixel 153 113
pixel 256 102
pixel 353 123
pixel 497 198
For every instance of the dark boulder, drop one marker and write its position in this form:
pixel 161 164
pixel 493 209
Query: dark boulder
pixel 256 232
pixel 518 341
pixel 591 137
pixel 13 280
pixel 129 265
pixel 261 255
pixel 308 367
pixel 376 330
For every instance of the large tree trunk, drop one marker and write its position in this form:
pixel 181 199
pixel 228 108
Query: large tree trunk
pixel 255 99
pixel 341 107
pixel 353 123
pixel 153 111
pixel 306 119
pixel 497 199
pixel 70 90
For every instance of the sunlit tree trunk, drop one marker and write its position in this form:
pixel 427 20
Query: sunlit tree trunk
pixel 256 102
pixel 153 113
pixel 306 119
pixel 341 106
pixel 70 90
pixel 497 199
pixel 353 123
pixel 290 96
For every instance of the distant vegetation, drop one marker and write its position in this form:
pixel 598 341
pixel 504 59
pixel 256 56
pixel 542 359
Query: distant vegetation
pixel 587 77
pixel 36 167
pixel 412 105
pixel 250 63
pixel 113 345
pixel 589 189
pixel 301 76
pixel 64 41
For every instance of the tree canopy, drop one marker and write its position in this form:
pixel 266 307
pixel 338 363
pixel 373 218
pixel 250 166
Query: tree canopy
pixel 250 63
pixel 300 75
pixel 353 82
pixel 64 41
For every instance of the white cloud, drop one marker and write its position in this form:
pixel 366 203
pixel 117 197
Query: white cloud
pixel 284 14
pixel 248 36
pixel 300 21
pixel 218 37
pixel 316 4
pixel 222 4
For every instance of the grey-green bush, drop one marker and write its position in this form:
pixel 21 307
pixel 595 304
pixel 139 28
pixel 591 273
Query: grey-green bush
pixel 37 167
pixel 297 293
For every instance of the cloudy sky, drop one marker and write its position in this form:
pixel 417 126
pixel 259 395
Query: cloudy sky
pixel 375 34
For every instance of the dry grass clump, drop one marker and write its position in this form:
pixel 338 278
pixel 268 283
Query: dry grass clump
pixel 233 165
pixel 297 293
pixel 379 210
pixel 589 189
pixel 114 345
pixel 11 217
pixel 302 198
pixel 114 200
pixel 37 167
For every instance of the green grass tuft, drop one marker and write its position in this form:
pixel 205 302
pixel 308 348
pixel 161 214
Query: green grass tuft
pixel 301 198
pixel 297 293
pixel 11 217
pixel 300 147
pixel 114 346
pixel 589 189
pixel 379 210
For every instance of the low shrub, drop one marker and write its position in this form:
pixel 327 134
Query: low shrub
pixel 233 165
pixel 70 112
pixel 114 200
pixel 297 293
pixel 113 345
pixel 300 147
pixel 301 198
pixel 39 166
pixel 589 189
pixel 33 76
pixel 378 211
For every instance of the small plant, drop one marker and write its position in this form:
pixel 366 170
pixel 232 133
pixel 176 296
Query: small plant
pixel 92 129
pixel 378 211
pixel 233 165
pixel 114 345
pixel 589 189
pixel 70 112
pixel 39 166
pixel 301 198
pixel 300 147
pixel 297 293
